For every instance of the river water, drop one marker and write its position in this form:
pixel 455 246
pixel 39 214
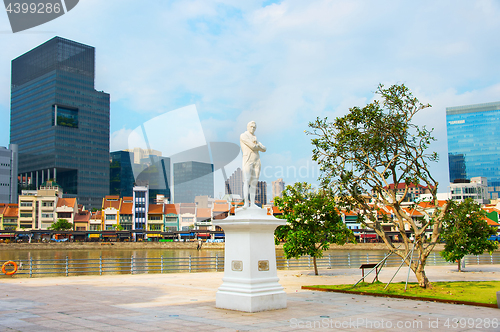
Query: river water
pixel 47 262
pixel 39 254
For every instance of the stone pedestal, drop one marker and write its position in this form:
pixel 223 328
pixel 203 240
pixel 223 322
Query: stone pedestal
pixel 250 280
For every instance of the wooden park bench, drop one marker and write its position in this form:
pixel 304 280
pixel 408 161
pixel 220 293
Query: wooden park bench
pixel 369 266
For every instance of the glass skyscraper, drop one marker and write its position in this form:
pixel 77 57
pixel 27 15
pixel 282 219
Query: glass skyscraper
pixel 193 179
pixel 474 143
pixel 59 121
pixel 121 175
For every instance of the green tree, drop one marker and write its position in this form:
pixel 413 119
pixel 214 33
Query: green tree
pixel 370 153
pixel 466 231
pixel 313 222
pixel 61 225
pixel 118 227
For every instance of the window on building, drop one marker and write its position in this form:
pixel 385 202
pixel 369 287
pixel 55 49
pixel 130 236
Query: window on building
pixel 66 117
pixel 95 227
pixel 111 217
pixel 155 227
pixel 26 215
pixel 26 203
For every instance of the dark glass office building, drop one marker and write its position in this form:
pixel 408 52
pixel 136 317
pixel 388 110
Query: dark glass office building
pixel 59 121
pixel 261 194
pixel 154 172
pixel 192 179
pixel 474 143
pixel 121 175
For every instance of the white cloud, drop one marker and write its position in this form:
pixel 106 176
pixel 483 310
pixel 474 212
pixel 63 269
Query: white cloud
pixel 119 139
pixel 280 65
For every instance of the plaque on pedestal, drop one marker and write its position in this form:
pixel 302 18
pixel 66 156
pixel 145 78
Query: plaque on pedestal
pixel 250 280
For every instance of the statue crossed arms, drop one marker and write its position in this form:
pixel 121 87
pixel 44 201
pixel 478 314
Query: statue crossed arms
pixel 250 148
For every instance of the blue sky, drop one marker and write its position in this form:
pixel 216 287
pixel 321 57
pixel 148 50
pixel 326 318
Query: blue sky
pixel 280 63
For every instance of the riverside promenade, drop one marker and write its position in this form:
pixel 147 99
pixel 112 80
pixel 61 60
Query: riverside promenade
pixel 186 302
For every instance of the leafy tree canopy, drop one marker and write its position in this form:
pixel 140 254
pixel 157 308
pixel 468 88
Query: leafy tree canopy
pixel 370 153
pixel 61 225
pixel 313 222
pixel 466 231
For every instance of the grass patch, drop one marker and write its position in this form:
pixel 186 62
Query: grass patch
pixel 466 291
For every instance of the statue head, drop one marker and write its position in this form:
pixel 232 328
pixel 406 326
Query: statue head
pixel 251 126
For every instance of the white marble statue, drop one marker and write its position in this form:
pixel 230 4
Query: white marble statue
pixel 250 148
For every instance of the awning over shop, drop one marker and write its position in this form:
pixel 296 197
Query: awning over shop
pixel 368 236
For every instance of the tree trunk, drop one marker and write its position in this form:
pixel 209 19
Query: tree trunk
pixel 418 266
pixel 459 261
pixel 421 277
pixel 315 266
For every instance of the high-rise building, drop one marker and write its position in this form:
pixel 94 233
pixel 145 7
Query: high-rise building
pixel 140 210
pixel 192 179
pixel 261 194
pixel 139 154
pixel 121 175
pixel 234 185
pixel 475 188
pixel 8 174
pixel 474 143
pixel 59 121
pixel 155 173
pixel 278 187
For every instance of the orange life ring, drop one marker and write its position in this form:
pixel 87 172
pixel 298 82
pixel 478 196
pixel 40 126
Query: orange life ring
pixel 10 272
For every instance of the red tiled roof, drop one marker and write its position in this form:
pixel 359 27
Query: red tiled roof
pixel 190 210
pixel 3 207
pixel 83 216
pixel 11 210
pixel 403 186
pixel 349 213
pixel 491 222
pixel 491 209
pixel 172 208
pixel 96 215
pixel 203 213
pixel 155 209
pixel 126 208
pixel 429 205
pixel 413 212
pixel 219 207
pixel 111 201
pixel 69 202
pixel 276 210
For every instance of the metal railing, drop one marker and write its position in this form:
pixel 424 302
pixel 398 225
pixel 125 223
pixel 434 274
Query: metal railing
pixel 136 265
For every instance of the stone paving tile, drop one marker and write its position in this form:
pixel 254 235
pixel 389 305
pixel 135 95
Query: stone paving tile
pixel 48 301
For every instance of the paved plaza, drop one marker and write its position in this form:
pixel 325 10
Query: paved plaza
pixel 186 302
